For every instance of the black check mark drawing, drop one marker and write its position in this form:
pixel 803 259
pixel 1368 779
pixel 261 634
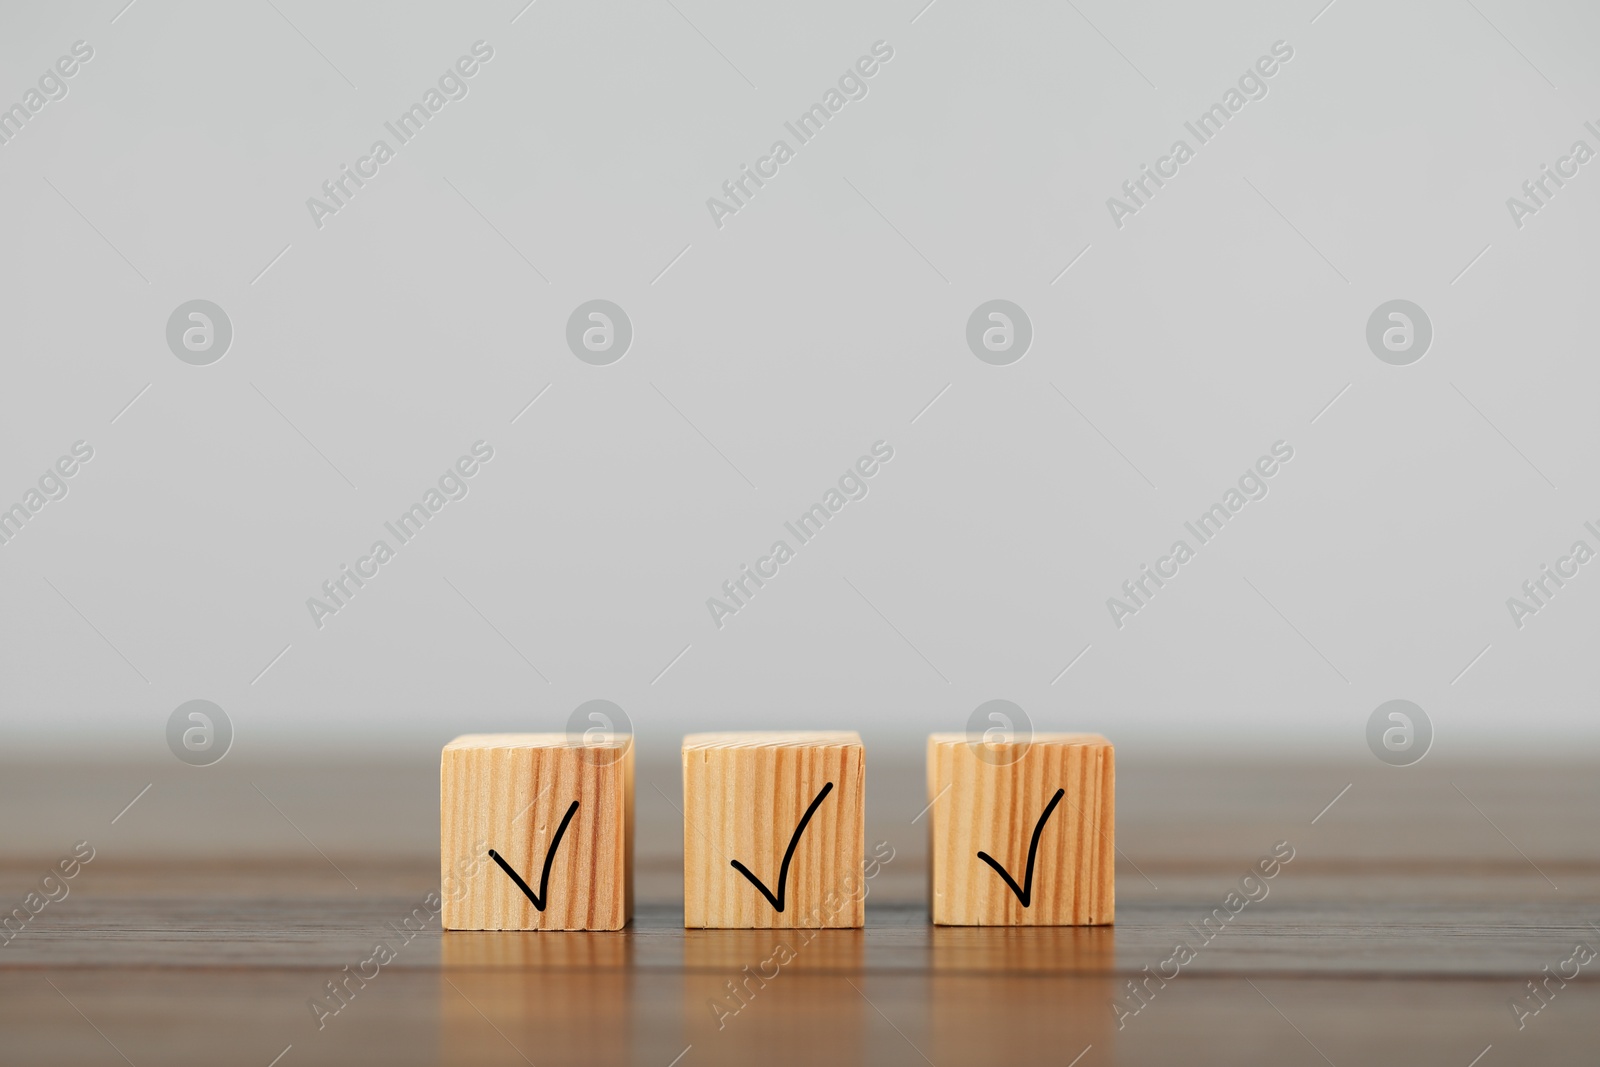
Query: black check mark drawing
pixel 1024 892
pixel 542 897
pixel 783 871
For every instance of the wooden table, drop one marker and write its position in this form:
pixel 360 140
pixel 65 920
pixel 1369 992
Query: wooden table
pixel 1415 909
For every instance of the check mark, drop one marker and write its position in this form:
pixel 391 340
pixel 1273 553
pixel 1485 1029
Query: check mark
pixel 1024 892
pixel 783 871
pixel 542 898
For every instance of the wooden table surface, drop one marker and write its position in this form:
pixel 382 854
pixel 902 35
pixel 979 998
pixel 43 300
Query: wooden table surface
pixel 1416 908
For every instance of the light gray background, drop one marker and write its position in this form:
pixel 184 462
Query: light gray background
pixel 825 316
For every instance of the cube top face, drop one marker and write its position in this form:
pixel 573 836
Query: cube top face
pixel 997 800
pixel 1019 746
pixel 557 812
pixel 774 830
pixel 487 741
pixel 772 739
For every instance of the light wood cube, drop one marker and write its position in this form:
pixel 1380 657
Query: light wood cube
pixel 1022 831
pixel 774 828
pixel 536 832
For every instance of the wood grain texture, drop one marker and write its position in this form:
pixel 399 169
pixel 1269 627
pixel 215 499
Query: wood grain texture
pixel 511 793
pixel 989 798
pixel 744 795
pixel 1396 936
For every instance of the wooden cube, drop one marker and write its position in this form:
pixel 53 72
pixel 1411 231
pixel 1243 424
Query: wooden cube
pixel 774 828
pixel 1022 831
pixel 536 832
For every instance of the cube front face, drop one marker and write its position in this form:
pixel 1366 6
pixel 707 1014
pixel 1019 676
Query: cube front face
pixel 746 796
pixel 510 795
pixel 991 799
